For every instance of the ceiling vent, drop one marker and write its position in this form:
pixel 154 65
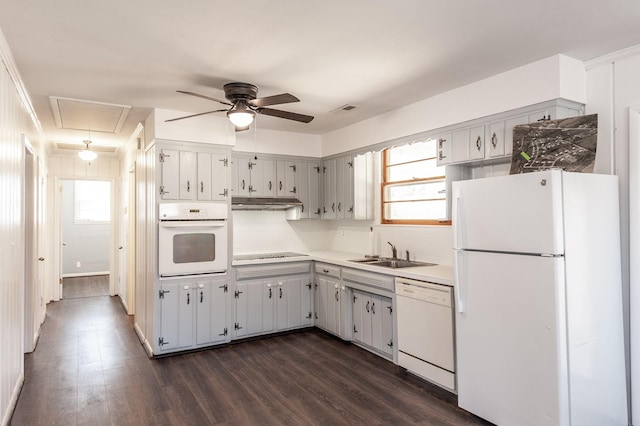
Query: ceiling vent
pixel 77 114
pixel 79 147
pixel 342 109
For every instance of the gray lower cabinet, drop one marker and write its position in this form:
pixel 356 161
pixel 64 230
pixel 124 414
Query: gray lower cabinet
pixel 373 321
pixel 331 300
pixel 193 314
pixel 270 298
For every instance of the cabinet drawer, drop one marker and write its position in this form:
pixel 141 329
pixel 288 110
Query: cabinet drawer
pixel 273 270
pixel 326 269
pixel 369 279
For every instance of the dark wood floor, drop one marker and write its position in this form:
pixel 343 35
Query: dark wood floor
pixel 89 368
pixel 74 287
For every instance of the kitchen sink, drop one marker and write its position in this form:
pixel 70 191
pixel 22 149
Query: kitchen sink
pixel 391 263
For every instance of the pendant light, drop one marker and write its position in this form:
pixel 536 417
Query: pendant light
pixel 86 154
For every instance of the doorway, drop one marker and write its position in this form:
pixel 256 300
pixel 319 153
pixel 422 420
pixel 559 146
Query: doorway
pixel 86 235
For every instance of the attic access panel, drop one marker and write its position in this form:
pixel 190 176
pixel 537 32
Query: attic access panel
pixel 78 114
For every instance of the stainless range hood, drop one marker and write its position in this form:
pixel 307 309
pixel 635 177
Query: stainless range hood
pixel 263 203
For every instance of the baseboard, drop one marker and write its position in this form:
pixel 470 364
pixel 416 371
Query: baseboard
pixel 85 274
pixel 13 401
pixel 124 305
pixel 145 343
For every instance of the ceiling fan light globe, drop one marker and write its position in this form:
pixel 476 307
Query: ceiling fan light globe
pixel 241 118
pixel 87 155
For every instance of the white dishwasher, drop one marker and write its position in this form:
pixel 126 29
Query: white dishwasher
pixel 425 330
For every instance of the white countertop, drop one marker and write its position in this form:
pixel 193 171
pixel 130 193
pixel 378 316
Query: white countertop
pixel 440 274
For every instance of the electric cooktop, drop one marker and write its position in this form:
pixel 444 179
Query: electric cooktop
pixel 260 256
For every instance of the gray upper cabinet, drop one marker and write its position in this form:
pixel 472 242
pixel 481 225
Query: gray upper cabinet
pixel 254 177
pixel 309 184
pixel 192 175
pixel 287 178
pixel 491 138
pixel 329 202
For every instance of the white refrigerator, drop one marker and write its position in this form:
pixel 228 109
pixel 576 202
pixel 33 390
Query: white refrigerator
pixel 539 328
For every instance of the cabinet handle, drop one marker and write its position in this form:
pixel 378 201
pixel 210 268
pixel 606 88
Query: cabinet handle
pixel 373 308
pixel 280 186
pixel 337 299
pixel 188 186
pixel 242 184
pixel 188 298
pixel 326 271
pixel 340 206
pixel 479 143
pixel 201 186
pixel 280 292
pixel 270 186
pixel 390 344
pixel 302 208
pixel 367 307
pixel 494 140
pixel 201 296
pixel 333 207
pixel 270 293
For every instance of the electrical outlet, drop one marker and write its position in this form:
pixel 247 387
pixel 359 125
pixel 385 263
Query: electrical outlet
pixel 78 264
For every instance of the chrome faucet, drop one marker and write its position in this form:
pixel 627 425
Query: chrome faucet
pixel 394 252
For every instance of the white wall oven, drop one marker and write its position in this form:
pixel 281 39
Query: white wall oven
pixel 192 239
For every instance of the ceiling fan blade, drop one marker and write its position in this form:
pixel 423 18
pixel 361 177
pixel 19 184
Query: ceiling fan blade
pixel 194 115
pixel 285 114
pixel 283 98
pixel 203 96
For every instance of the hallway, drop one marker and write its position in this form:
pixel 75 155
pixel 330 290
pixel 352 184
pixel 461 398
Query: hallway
pixel 90 369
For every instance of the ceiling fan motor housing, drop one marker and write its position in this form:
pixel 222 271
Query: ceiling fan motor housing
pixel 240 91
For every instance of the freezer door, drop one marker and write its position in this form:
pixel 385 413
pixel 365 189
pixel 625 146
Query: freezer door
pixel 511 364
pixel 516 213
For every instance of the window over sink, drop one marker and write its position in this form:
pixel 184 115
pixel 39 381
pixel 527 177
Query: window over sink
pixel 413 185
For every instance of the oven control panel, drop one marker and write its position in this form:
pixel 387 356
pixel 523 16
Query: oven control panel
pixel 192 211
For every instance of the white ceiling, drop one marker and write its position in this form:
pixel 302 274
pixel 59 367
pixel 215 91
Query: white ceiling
pixel 377 55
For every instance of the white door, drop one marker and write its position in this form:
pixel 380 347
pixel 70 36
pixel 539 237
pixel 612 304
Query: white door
pixel 511 364
pixel 516 213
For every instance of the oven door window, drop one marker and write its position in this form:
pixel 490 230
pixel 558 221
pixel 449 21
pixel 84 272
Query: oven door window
pixel 193 248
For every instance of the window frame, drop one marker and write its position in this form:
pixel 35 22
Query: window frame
pixel 386 183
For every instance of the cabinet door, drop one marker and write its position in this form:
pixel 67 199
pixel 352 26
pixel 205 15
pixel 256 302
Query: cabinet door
pixel 218 317
pixel 377 315
pixel 169 317
pixel 269 297
pixel 185 316
pixel 303 171
pixel 367 325
pixel 188 179
pixel 329 189
pixel 358 314
pixel 204 176
pixel 476 143
pixel 386 314
pixel 286 179
pixel 333 307
pixel 243 177
pixel 266 184
pixel 363 198
pixel 296 301
pixel 444 149
pixel 234 177
pixel 321 289
pixel 460 146
pixel 203 295
pixel 249 308
pixel 219 185
pixel 344 187
pixel 508 132
pixel 170 169
pixel 315 179
pixel 495 140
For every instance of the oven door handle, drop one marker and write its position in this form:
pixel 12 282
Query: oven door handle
pixel 192 224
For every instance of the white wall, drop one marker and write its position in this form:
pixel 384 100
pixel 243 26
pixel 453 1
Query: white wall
pixel 17 119
pixel 277 142
pixel 612 88
pixel 212 128
pixel 558 76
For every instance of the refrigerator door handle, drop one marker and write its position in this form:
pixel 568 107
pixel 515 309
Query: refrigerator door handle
pixel 457 199
pixel 460 280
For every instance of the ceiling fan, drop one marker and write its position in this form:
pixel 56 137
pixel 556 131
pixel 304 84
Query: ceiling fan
pixel 243 105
